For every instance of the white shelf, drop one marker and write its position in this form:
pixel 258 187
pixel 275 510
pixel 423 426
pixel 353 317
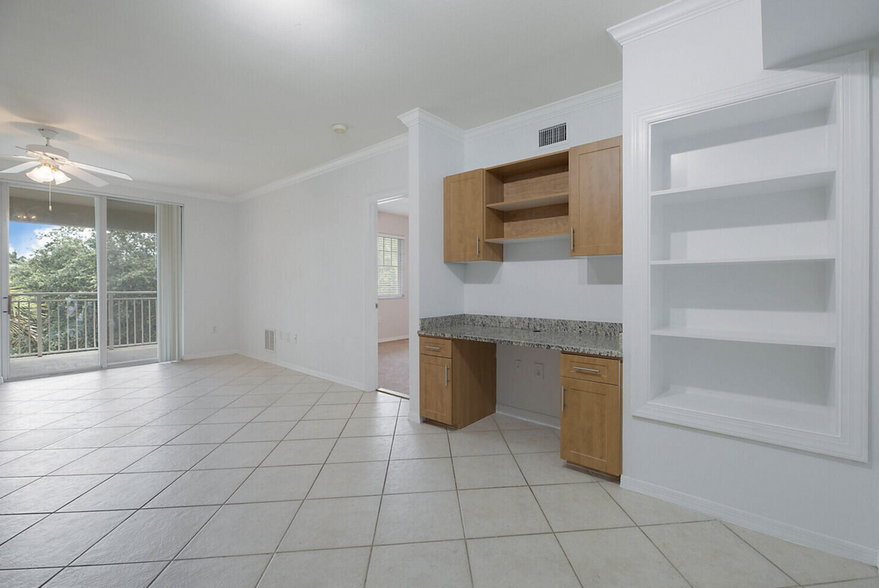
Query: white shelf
pixel 817 179
pixel 742 260
pixel 746 336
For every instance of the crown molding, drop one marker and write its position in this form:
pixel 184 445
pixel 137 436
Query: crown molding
pixel 366 153
pixel 431 121
pixel 591 98
pixel 662 18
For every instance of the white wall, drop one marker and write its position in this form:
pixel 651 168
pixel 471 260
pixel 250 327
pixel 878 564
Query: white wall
pixel 541 279
pixel 393 313
pixel 307 269
pixel 819 501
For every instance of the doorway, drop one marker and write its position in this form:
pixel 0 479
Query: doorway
pixel 392 297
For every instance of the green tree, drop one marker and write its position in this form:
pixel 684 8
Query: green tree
pixel 65 262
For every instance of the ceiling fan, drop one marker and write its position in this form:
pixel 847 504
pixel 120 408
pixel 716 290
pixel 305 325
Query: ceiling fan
pixel 48 164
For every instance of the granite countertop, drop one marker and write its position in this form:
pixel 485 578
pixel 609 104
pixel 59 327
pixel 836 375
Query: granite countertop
pixel 594 338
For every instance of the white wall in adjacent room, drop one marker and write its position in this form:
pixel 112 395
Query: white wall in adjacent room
pixel 817 500
pixel 393 313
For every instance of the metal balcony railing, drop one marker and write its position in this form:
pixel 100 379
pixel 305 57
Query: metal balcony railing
pixel 46 323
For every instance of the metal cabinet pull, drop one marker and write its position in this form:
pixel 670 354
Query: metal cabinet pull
pixel 477 245
pixel 563 399
pixel 572 238
pixel 582 369
pixel 447 375
pixel 432 348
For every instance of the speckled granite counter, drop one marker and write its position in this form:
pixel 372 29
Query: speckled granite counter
pixel 594 338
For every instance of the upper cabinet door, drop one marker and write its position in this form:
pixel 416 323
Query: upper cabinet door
pixel 464 223
pixel 595 201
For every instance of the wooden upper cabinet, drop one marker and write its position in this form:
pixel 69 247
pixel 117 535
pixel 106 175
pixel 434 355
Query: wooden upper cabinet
pixel 595 200
pixel 464 219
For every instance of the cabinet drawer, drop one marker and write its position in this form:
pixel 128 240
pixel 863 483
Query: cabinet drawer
pixel 594 369
pixel 436 347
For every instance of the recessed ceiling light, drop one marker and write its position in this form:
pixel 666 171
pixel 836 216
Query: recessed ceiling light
pixel 339 129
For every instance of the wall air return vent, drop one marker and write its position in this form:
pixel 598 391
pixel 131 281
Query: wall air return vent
pixel 270 340
pixel 551 135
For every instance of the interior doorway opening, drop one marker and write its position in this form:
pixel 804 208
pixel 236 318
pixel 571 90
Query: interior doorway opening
pixel 392 296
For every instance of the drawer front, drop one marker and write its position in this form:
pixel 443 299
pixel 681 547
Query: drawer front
pixel 593 369
pixel 436 347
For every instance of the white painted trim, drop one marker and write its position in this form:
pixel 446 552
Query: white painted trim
pixel 389 339
pixel 555 109
pixel 307 371
pixel 662 18
pixel 375 150
pixel 527 415
pixel 759 523
pixel 431 121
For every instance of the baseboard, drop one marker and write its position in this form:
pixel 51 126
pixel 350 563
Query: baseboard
pixel 208 354
pixel 756 522
pixel 389 339
pixel 527 415
pixel 305 370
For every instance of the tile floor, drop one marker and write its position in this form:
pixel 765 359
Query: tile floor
pixel 231 472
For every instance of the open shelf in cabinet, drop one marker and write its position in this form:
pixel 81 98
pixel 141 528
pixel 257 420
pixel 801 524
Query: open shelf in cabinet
pixel 529 198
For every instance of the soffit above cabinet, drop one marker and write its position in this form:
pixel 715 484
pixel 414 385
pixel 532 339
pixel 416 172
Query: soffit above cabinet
pixel 796 32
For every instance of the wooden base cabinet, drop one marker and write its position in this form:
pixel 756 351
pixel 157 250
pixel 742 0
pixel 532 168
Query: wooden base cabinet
pixel 591 412
pixel 458 380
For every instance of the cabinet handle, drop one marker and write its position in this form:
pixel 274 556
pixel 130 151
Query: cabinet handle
pixel 447 375
pixel 572 238
pixel 563 399
pixel 582 369
pixel 477 245
pixel 432 348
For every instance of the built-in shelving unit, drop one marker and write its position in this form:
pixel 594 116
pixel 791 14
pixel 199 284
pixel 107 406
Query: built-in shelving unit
pixel 756 279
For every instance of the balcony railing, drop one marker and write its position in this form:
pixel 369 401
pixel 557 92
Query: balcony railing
pixel 47 323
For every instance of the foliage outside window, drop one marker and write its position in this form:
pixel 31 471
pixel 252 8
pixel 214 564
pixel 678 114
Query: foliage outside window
pixel 390 266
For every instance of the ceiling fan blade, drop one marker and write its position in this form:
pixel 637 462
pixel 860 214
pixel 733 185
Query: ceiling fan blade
pixel 31 157
pixel 83 175
pixel 101 170
pixel 20 167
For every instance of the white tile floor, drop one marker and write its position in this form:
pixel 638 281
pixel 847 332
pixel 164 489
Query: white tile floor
pixel 234 473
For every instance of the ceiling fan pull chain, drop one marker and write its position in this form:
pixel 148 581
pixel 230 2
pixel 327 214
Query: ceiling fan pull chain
pixel 50 196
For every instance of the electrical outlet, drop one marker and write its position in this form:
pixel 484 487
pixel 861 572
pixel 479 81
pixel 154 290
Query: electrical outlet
pixel 538 371
pixel 295 336
pixel 214 330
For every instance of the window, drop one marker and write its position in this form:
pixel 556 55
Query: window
pixel 390 266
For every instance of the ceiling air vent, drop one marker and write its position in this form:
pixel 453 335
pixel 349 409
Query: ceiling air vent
pixel 551 135
pixel 270 340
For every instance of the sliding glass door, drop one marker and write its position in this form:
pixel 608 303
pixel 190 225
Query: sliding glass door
pixel 91 282
pixel 52 300
pixel 132 313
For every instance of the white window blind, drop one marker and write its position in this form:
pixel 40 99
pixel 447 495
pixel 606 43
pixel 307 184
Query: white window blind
pixel 390 266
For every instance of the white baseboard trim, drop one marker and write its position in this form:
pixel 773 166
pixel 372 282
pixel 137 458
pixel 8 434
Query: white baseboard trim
pixel 207 354
pixel 389 339
pixel 756 522
pixel 527 415
pixel 305 370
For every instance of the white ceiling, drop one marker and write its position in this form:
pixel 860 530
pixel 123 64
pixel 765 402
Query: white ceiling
pixel 224 96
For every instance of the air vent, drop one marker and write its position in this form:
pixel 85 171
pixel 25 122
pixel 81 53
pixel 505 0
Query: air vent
pixel 551 135
pixel 270 340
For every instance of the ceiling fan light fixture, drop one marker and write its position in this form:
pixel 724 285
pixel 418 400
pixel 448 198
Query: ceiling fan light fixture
pixel 45 173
